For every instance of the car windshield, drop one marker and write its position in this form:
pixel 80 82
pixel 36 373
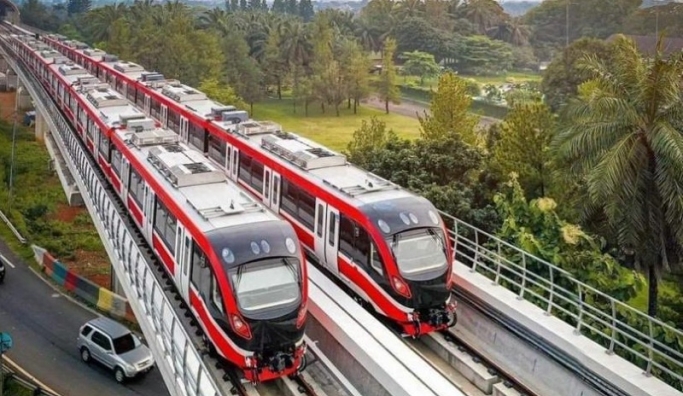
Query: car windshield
pixel 267 284
pixel 419 251
pixel 124 344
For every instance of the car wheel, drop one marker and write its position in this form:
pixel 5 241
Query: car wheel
pixel 85 355
pixel 119 375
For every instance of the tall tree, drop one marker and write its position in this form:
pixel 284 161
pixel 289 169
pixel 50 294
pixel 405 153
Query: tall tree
pixel 420 64
pixel 623 134
pixel 563 76
pixel 323 58
pixel 292 7
pixel 275 65
pixel 221 93
pixel 279 6
pixel 388 90
pixel 75 7
pixel 355 66
pixel 449 111
pixel 523 146
pixel 306 10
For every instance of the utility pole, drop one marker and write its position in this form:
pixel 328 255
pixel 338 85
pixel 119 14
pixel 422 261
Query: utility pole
pixel 11 169
pixel 566 25
pixel 656 19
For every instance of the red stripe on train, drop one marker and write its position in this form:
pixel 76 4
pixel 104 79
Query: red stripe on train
pixel 165 255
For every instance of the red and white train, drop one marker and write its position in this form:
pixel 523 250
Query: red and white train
pixel 386 244
pixel 238 266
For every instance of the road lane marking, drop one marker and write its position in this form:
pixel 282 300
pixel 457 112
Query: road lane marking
pixel 7 261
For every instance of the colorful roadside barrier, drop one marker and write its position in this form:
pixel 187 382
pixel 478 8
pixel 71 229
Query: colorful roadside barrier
pixel 105 300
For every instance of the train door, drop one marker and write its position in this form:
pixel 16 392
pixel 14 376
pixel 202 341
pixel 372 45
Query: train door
pixel 148 208
pixel 326 236
pixel 233 159
pixel 271 188
pixel 164 115
pixel 148 104
pixel 184 129
pixel 125 169
pixel 183 254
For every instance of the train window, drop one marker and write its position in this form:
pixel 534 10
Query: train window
pixel 136 187
pixel 104 146
pixel 139 98
pixel 330 234
pixel 217 149
pixel 155 109
pixel 165 225
pixel 290 195
pixel 346 235
pixel 245 168
pixel 306 206
pixel 197 136
pixel 375 259
pixel 89 129
pixel 216 294
pixel 266 187
pixel 321 217
pixel 276 188
pixel 354 241
pixel 130 93
pixel 298 203
pixel 199 265
pixel 256 175
pixel 116 160
pixel 173 121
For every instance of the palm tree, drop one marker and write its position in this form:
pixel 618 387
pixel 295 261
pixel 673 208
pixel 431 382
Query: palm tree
pixel 99 20
pixel 624 135
pixel 484 14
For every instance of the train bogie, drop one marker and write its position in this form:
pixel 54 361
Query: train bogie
pixel 239 268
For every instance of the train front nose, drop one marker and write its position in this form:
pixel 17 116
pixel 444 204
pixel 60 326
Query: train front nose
pixel 433 302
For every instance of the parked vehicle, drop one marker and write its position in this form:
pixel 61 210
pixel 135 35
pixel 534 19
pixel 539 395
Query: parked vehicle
pixel 116 347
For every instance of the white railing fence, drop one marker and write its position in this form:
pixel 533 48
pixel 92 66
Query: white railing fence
pixel 646 341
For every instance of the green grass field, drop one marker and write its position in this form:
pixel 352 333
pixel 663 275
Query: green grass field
pixel 516 77
pixel 328 129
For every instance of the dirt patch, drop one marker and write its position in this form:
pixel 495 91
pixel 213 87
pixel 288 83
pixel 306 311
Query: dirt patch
pixel 66 213
pixel 7 102
pixel 94 266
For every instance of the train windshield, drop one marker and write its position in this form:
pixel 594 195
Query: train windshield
pixel 419 251
pixel 265 285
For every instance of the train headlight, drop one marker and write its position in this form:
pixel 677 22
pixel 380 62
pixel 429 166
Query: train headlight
pixel 241 328
pixel 400 287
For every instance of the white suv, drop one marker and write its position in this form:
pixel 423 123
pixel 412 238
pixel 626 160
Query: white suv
pixel 116 347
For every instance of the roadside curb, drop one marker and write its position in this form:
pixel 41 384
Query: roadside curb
pixel 14 367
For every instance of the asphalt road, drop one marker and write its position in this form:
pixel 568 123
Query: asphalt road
pixel 44 325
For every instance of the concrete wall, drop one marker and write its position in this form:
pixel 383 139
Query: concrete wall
pixel 100 297
pixel 534 368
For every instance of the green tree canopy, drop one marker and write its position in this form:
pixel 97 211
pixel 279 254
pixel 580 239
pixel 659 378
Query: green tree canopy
pixel 623 135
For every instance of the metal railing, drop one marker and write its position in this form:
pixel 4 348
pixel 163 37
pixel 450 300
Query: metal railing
pixel 593 313
pixel 181 365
